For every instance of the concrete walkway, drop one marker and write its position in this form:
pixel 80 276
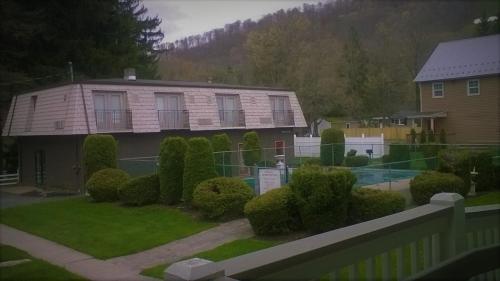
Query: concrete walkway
pixel 125 267
pixel 176 250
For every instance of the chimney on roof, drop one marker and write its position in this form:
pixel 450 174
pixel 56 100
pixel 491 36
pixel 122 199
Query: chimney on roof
pixel 129 74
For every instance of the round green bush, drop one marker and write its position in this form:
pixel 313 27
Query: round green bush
pixel 332 147
pixel 323 196
pixel 425 185
pixel 198 166
pixel 221 145
pixel 99 152
pixel 356 161
pixel 222 198
pixel 274 212
pixel 251 148
pixel 104 184
pixel 368 204
pixel 171 169
pixel 140 191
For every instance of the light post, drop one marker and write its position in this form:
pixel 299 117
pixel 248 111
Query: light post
pixel 473 175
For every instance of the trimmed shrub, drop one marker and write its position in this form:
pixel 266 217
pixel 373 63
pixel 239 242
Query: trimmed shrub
pixel 251 148
pixel 398 153
pixel 220 143
pixel 99 152
pixel 332 147
pixel 274 212
pixel 413 136
pixel 171 169
pixel 140 191
pixel 322 196
pixel 312 161
pixel 222 197
pixel 431 150
pixel 462 162
pixel 423 137
pixel 351 152
pixel 356 161
pixel 198 166
pixel 103 185
pixel 425 185
pixel 442 136
pixel 368 204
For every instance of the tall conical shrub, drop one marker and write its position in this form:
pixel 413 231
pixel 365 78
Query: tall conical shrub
pixel 99 152
pixel 198 166
pixel 332 147
pixel 221 145
pixel 171 169
pixel 251 148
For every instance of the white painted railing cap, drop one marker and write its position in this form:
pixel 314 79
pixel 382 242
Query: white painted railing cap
pixel 446 198
pixel 193 269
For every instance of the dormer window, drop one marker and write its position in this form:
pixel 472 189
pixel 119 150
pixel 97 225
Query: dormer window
pixel 230 112
pixel 31 113
pixel 111 112
pixel 282 113
pixel 437 89
pixel 171 112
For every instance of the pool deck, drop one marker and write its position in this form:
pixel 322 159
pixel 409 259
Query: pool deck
pixel 401 186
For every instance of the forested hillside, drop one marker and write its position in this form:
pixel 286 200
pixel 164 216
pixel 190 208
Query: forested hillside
pixel 347 57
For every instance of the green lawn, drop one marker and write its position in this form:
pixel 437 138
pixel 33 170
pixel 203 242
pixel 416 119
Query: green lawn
pixel 33 270
pixel 226 251
pixel 103 230
pixel 485 199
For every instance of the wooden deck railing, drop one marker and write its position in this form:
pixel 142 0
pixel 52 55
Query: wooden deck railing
pixel 421 237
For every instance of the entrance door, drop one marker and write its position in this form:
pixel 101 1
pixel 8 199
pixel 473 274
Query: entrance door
pixel 40 167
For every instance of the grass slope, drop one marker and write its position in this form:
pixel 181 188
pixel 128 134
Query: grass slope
pixel 225 251
pixel 103 230
pixel 485 199
pixel 33 270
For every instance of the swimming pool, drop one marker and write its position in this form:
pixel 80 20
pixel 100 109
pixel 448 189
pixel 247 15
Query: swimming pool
pixel 368 176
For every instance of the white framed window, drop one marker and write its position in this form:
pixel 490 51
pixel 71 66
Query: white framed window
pixel 473 87
pixel 437 89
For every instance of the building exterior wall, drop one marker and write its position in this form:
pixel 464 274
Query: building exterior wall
pixel 470 119
pixel 63 154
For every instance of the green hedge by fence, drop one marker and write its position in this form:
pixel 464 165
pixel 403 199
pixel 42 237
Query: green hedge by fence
pixel 140 191
pixel 198 166
pixel 171 169
pixel 103 185
pixel 425 185
pixel 332 147
pixel 99 152
pixel 368 204
pixel 251 148
pixel 221 144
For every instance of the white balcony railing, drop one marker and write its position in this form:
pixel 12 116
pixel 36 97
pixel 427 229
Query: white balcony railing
pixel 173 119
pixel 232 118
pixel 113 120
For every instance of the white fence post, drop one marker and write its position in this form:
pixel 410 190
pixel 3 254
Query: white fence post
pixel 453 240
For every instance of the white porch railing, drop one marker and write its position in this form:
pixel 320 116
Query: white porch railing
pixel 9 179
pixel 421 238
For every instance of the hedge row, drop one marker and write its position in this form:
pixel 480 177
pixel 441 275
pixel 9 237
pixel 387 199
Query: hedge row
pixel 140 191
pixel 99 152
pixel 221 143
pixel 368 204
pixel 356 161
pixel 104 184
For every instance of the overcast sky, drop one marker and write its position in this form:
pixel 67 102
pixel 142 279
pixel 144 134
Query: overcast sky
pixel 182 18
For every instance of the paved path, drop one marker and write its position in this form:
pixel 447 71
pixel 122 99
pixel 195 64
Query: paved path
pixel 176 250
pixel 125 267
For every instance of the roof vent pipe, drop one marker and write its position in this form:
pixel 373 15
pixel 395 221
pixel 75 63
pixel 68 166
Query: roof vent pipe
pixel 129 74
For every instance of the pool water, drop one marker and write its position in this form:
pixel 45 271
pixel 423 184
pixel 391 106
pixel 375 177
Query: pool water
pixel 374 176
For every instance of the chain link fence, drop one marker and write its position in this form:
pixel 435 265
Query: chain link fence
pixel 397 162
